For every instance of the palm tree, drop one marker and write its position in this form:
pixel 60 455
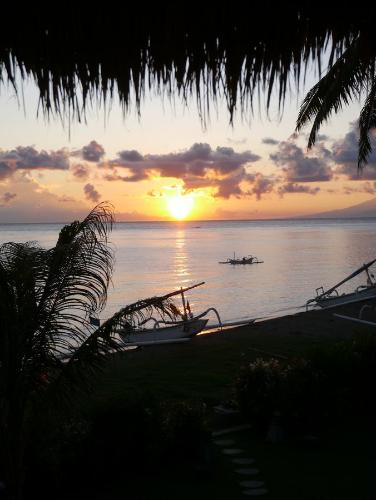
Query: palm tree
pixel 352 75
pixel 45 299
pixel 47 343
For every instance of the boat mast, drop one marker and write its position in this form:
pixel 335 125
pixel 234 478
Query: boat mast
pixel 183 301
pixel 370 278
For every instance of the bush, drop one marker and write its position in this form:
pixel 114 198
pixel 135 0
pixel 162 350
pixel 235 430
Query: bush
pixel 184 429
pixel 257 390
pixel 53 452
pixel 139 436
pixel 310 394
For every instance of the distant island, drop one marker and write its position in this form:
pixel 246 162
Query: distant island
pixel 365 209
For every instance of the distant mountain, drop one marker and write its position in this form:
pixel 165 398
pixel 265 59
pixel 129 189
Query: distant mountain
pixel 365 209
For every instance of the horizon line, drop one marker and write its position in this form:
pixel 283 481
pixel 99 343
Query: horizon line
pixel 298 217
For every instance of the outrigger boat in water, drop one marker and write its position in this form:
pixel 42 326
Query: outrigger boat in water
pixel 250 259
pixel 331 297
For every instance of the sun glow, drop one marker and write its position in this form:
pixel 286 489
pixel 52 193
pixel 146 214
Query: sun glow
pixel 179 206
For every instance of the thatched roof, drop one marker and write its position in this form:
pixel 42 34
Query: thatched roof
pixel 202 51
pixel 232 48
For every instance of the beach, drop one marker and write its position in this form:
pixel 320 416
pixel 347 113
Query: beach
pixel 205 367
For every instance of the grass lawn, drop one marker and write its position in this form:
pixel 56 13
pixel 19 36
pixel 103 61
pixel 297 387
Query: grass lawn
pixel 205 368
pixel 341 466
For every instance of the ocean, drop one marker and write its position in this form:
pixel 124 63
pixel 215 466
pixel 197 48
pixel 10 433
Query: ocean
pixel 154 258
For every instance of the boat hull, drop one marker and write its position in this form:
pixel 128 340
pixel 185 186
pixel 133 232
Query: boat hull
pixel 349 298
pixel 184 330
pixel 242 262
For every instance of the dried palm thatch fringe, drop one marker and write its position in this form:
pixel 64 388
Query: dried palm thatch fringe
pixel 81 55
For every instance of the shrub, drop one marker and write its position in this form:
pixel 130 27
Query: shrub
pixel 257 390
pixel 309 394
pixel 54 451
pixel 137 436
pixel 184 428
pixel 304 400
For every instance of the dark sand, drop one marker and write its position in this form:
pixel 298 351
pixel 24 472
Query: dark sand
pixel 317 324
pixel 206 367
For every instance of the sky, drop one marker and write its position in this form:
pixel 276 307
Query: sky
pixel 166 165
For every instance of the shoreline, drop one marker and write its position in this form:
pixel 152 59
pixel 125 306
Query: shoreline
pixel 314 322
pixel 294 331
pixel 206 367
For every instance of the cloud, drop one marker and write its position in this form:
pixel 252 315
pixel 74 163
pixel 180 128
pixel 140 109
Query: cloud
pixel 6 198
pixel 136 175
pixel 130 156
pixel 261 185
pixel 28 158
pixel 6 170
pixel 34 203
pixel 230 186
pixel 297 167
pixel 200 166
pixel 270 141
pixel 367 187
pixel 80 172
pixel 91 193
pixel 292 187
pixel 93 152
pixel 198 160
pixel 345 155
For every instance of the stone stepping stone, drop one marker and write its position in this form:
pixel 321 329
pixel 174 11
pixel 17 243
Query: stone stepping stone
pixel 243 461
pixel 256 492
pixel 250 472
pixel 237 428
pixel 232 451
pixel 252 484
pixel 224 442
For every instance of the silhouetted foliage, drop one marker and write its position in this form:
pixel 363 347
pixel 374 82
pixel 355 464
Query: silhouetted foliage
pixel 49 350
pixel 310 394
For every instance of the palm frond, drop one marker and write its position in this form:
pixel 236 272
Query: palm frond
pixel 87 359
pixel 78 273
pixel 367 122
pixel 20 278
pixel 45 298
pixel 344 81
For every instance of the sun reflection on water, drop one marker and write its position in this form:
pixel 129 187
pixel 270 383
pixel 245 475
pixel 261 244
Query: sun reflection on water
pixel 181 267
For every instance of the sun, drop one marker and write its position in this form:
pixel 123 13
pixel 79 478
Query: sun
pixel 179 206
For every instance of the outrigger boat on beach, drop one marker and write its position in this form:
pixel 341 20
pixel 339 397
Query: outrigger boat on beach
pixel 332 298
pixel 172 325
pixel 169 323
pixel 250 259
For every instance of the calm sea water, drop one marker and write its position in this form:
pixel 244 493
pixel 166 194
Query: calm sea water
pixel 156 258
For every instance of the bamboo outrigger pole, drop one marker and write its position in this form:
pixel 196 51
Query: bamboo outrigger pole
pixel 181 291
pixel 352 275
